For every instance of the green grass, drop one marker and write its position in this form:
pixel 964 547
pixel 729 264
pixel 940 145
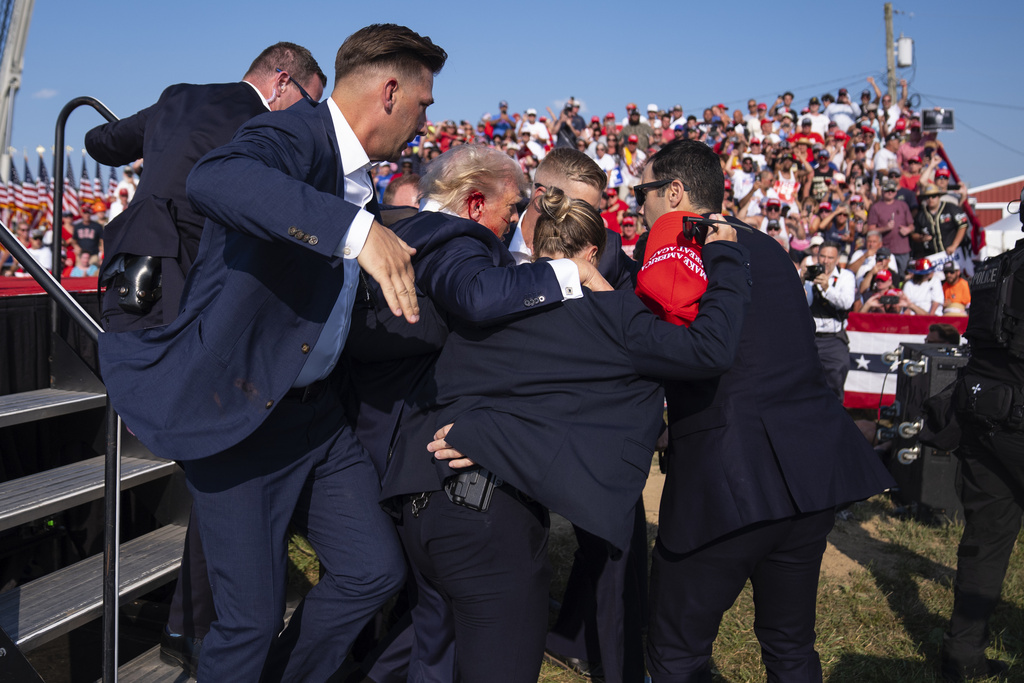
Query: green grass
pixel 882 604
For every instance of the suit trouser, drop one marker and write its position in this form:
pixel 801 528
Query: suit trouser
pixel 304 461
pixel 482 581
pixel 990 482
pixel 691 591
pixel 191 611
pixel 604 609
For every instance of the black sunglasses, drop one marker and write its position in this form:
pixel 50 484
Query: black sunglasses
pixel 299 86
pixel 640 191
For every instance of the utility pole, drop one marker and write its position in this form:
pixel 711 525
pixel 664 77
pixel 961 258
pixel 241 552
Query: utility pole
pixel 890 57
pixel 11 64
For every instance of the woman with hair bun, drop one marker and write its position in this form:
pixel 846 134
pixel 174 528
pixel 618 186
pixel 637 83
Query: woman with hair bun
pixel 559 410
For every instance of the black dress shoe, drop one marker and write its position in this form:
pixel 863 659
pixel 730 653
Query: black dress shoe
pixel 987 669
pixel 577 666
pixel 181 651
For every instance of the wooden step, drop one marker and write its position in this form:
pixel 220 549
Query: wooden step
pixel 40 404
pixel 38 495
pixel 41 610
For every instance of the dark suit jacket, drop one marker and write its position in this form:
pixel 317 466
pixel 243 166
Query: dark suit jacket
pixel 563 404
pixel 256 298
pixel 185 123
pixel 463 272
pixel 767 439
pixel 615 267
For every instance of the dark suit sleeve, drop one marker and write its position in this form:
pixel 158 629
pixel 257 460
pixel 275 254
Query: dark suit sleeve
pixel 119 142
pixel 615 267
pixel 464 280
pixel 257 183
pixel 707 347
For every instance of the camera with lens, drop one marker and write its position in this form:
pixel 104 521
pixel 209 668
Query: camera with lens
pixel 813 271
pixel 888 300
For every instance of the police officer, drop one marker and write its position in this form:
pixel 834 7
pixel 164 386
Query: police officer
pixel 990 407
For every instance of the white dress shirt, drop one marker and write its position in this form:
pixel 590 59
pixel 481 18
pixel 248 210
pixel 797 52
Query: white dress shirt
pixel 355 164
pixel 841 291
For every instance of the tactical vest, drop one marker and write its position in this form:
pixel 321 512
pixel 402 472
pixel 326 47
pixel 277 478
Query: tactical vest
pixel 997 303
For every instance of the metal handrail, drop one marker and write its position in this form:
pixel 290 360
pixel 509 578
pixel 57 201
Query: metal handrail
pixel 50 281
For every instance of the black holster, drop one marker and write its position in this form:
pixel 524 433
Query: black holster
pixel 139 286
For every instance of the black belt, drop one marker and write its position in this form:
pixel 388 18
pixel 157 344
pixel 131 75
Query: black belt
pixel 308 393
pixel 826 334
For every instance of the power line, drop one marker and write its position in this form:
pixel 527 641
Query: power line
pixel 984 104
pixel 984 135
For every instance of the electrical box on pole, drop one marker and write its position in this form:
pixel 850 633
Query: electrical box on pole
pixel 904 52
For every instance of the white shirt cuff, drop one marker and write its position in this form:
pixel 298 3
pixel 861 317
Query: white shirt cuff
pixel 568 278
pixel 356 236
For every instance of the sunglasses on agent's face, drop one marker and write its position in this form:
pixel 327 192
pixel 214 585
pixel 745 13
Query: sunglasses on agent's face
pixel 299 86
pixel 640 191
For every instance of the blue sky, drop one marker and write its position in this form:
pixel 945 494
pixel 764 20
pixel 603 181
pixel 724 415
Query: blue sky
pixel 538 54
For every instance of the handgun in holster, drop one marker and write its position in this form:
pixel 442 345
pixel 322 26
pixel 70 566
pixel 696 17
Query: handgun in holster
pixel 139 286
pixel 472 489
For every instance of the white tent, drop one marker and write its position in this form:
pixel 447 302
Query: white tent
pixel 1001 235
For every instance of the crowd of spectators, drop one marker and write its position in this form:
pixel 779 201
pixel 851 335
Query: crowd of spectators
pixel 832 170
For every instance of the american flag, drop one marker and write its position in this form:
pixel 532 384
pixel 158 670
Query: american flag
pixel 112 185
pixel 45 190
pixel 85 194
pixel 872 381
pixel 16 190
pixel 30 190
pixel 69 205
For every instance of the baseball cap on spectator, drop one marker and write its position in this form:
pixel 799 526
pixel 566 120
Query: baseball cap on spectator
pixel 883 276
pixel 890 185
pixel 594 119
pixel 679 126
pixel 871 106
pixel 728 184
pixel 772 203
pixel 883 253
pixel 40 233
pixel 839 178
pixel 610 115
pixel 762 107
pixel 922 266
pixel 721 106
pixel 805 122
pixel 652 107
pixel 825 206
pixel 755 141
pixel 823 153
pixel 503 105
pixel 840 135
pixel 860 146
pixel 856 199
pixel 843 91
pixel 950 266
pixel 611 192
pixel 531 112
pixel 942 173
pixel 631 106
pixel 677 107
pixel 865 93
pixel 901 124
pixel 814 100
pixel 817 241
pixel 124 192
pixel 632 138
pixel 628 220
pixel 542 119
pixel 788 115
pixel 915 122
pixel 895 172
pixel 914 160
